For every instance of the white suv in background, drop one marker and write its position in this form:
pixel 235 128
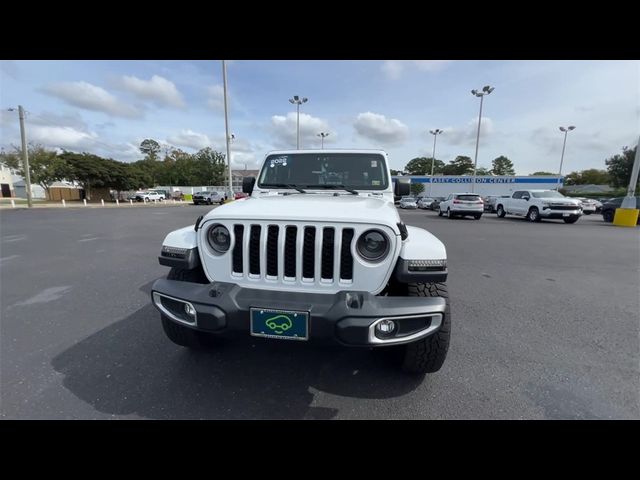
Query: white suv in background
pixel 462 204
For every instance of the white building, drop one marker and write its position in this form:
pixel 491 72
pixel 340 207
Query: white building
pixel 6 183
pixel 442 186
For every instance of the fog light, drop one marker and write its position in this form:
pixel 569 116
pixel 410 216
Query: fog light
pixel 386 326
pixel 189 310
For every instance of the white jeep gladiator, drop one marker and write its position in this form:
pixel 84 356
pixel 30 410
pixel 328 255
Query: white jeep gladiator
pixel 535 205
pixel 317 252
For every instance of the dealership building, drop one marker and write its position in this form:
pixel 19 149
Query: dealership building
pixel 443 185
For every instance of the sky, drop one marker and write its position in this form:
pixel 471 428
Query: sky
pixel 109 107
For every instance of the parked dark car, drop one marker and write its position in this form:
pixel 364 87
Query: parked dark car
pixel 436 203
pixel 609 208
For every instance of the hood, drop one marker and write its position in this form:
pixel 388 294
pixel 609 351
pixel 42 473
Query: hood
pixel 311 207
pixel 560 201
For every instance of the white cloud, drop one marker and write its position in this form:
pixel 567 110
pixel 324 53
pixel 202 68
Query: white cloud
pixel 215 94
pixel 190 139
pixel 284 130
pixel 161 91
pixel 62 137
pixel 394 68
pixel 381 129
pixel 91 97
pixel 467 134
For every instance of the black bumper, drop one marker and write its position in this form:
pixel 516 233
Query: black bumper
pixel 345 317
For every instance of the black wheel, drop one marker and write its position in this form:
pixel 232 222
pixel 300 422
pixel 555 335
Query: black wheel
pixel 607 216
pixel 587 213
pixel 428 354
pixel 477 216
pixel 570 219
pixel 439 212
pixel 179 334
pixel 500 211
pixel 533 215
pixel 449 214
pixel 209 202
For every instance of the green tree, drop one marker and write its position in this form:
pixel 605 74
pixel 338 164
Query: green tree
pixel 88 170
pixel 483 171
pixel 417 188
pixel 619 167
pixel 542 173
pixel 150 148
pixel 502 166
pixel 422 166
pixel 461 165
pixel 45 166
pixel 396 172
pixel 590 176
pixel 212 166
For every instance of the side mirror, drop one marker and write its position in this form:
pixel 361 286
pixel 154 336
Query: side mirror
pixel 402 187
pixel 247 184
pixel 525 198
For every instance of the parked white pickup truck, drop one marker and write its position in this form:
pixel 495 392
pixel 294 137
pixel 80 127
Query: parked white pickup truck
pixel 535 205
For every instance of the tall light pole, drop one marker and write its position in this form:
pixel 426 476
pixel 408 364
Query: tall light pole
pixel 486 90
pixel 226 126
pixel 564 144
pixel 297 101
pixel 435 134
pixel 322 136
pixel 25 154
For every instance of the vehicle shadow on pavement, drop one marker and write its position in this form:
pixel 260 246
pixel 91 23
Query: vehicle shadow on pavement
pixel 131 368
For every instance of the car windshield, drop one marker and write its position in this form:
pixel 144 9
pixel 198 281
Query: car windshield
pixel 547 194
pixel 356 171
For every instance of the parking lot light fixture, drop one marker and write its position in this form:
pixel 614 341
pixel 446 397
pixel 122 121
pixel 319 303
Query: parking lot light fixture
pixel 486 90
pixel 564 144
pixel 322 136
pixel 297 101
pixel 435 134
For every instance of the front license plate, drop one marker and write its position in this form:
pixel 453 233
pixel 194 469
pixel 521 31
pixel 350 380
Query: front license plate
pixel 282 324
pixel 566 214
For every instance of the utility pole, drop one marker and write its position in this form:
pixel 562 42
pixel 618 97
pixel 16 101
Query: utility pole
pixel 435 134
pixel 25 155
pixel 226 126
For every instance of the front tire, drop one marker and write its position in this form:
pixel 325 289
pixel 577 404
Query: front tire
pixel 570 219
pixel 449 214
pixel 428 354
pixel 179 334
pixel 607 216
pixel 477 216
pixel 439 212
pixel 533 215
pixel 500 211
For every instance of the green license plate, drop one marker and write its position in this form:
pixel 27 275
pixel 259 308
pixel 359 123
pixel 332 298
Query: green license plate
pixel 282 324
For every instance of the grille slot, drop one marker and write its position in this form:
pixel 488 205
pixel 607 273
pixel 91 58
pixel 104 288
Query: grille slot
pixel 254 250
pixel 346 259
pixel 272 250
pixel 290 252
pixel 327 253
pixel 308 251
pixel 238 232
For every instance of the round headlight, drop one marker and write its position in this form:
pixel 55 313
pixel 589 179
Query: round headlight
pixel 373 245
pixel 219 238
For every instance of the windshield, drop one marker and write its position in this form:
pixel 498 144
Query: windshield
pixel 547 194
pixel 358 171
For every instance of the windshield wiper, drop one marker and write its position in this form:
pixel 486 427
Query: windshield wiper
pixel 284 185
pixel 334 186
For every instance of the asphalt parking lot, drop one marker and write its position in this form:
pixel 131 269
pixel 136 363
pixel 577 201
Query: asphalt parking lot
pixel 545 325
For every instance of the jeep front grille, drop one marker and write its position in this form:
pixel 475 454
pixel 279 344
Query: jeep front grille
pixel 292 253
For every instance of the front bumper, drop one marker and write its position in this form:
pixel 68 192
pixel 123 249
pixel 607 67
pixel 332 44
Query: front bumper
pixel 550 213
pixel 348 317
